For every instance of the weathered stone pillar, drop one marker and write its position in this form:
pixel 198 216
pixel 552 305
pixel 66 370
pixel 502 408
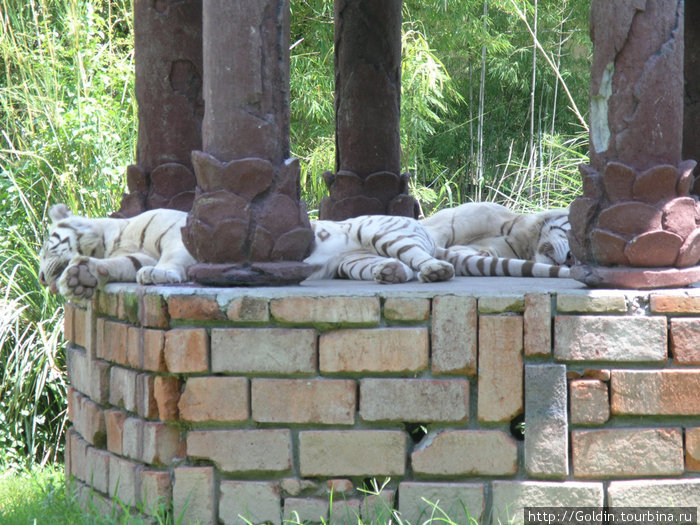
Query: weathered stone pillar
pixel 247 225
pixel 168 83
pixel 636 225
pixel 368 112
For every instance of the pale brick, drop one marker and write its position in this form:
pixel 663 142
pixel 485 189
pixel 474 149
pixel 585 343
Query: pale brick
pixel 655 392
pixel 153 348
pixel 114 422
pixel 114 342
pixel 77 366
pixel 406 309
pixel 498 304
pixel 378 508
pixel 122 388
pixel 194 495
pixel 134 347
pixel 215 399
pixel 248 310
pixel 663 493
pixel 592 301
pixel 277 350
pixel 620 453
pixel 266 450
pixel 146 405
pixel 537 325
pixel 420 501
pixel 107 303
pixel 153 311
pixel 692 449
pixel 156 490
pixel 124 480
pixel 68 317
pixel 98 374
pixel 252 501
pixel 685 341
pixel 306 510
pixel 198 307
pixel 500 387
pixel 166 391
pixel 590 402
pixel 374 350
pixel 669 302
pixel 295 486
pixel 186 350
pixel 511 497
pixel 132 439
pixel 345 512
pixel 78 450
pixel 335 453
pixel 324 401
pixel 461 453
pixel 608 338
pixel 81 325
pixel 161 444
pixel 90 421
pixel 546 421
pixel 421 400
pixel 128 307
pixel 97 462
pixel 454 335
pixel 68 467
pixel 345 310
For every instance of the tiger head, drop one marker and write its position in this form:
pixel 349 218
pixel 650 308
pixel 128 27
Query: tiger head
pixel 68 235
pixel 553 242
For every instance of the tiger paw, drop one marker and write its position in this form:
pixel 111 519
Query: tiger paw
pixel 392 272
pixel 436 271
pixel 80 279
pixel 156 275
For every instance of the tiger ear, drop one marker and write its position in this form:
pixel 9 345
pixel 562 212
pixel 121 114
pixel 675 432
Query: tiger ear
pixel 58 212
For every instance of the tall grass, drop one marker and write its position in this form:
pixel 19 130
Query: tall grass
pixel 67 132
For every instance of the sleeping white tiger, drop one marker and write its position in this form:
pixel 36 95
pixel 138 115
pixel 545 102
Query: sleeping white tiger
pixel 486 238
pixel 81 254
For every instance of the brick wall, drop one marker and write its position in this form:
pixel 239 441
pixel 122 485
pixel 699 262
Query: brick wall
pixel 258 402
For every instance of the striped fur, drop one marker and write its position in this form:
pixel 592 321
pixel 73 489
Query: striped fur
pixel 386 249
pixel 81 254
pixel 488 239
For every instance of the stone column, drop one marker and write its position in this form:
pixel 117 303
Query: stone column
pixel 247 225
pixel 636 225
pixel 368 111
pixel 168 83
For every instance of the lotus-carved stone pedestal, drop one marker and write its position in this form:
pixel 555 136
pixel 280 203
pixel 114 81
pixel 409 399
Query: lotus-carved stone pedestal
pixel 646 223
pixel 247 225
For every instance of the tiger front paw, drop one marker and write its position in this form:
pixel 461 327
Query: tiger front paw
pixel 436 271
pixel 80 279
pixel 156 275
pixel 392 272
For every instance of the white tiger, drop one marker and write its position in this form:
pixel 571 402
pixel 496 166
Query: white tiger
pixel 81 254
pixel 486 238
pixel 386 249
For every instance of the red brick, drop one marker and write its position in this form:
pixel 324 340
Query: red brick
pixel 156 490
pixel 186 350
pixel 500 389
pixel 625 452
pixel 333 453
pixel 685 341
pixel 420 400
pixel 374 350
pixel 319 401
pixel 114 422
pixel 161 444
pixel 90 421
pixel 692 449
pixel 166 391
pixel 215 399
pixel 153 311
pixel 153 348
pixel 80 327
pixel 243 451
pixel 589 400
pixel 248 310
pixel 345 310
pixel 112 340
pixel 134 347
pixel 196 307
pixel 68 316
pixel 682 303
pixel 462 452
pixel 667 392
pixel 454 335
pixel 277 350
pixel 537 325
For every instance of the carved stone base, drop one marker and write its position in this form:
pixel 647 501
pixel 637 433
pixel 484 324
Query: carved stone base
pixel 250 274
pixel 636 278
